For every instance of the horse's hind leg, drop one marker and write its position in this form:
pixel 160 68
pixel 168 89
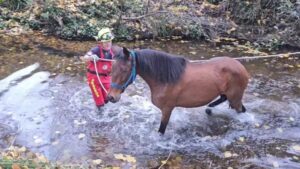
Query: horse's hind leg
pixel 222 99
pixel 235 102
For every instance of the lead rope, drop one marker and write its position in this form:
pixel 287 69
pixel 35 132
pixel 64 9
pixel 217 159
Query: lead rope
pixel 248 58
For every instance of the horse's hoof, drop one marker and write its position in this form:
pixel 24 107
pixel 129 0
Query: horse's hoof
pixel 208 111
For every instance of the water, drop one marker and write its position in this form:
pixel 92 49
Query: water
pixel 47 106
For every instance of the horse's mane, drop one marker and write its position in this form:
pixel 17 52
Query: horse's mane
pixel 161 66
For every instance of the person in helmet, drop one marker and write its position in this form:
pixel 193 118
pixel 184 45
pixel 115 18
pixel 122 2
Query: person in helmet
pixel 97 66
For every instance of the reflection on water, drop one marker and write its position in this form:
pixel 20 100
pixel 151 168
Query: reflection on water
pixel 47 106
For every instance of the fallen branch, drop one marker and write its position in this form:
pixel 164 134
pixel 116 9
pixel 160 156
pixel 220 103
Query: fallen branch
pixel 142 16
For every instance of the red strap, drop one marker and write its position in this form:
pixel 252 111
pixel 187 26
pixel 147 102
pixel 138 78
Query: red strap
pixel 102 55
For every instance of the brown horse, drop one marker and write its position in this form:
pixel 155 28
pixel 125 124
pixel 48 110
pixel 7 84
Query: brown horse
pixel 177 82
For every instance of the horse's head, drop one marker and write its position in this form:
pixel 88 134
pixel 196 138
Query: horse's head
pixel 123 74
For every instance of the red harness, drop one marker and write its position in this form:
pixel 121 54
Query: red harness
pixel 103 67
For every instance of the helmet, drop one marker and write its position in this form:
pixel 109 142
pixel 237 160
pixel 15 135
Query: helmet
pixel 104 35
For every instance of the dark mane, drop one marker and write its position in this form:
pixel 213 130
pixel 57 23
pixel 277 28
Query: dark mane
pixel 161 66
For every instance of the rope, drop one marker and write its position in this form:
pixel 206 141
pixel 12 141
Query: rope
pixel 165 161
pixel 282 55
pixel 108 60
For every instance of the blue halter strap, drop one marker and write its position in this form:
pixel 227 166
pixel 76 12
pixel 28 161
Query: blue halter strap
pixel 132 74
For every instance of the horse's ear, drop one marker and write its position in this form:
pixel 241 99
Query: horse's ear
pixel 126 53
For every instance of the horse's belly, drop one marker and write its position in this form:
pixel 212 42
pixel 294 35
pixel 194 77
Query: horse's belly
pixel 197 96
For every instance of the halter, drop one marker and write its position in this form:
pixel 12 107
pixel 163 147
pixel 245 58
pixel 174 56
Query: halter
pixel 132 74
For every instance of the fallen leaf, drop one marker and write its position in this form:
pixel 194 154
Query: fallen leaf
pixel 22 149
pixel 235 155
pixel 164 162
pixel 193 52
pixel 15 166
pixel 295 158
pixel 229 168
pixel 296 148
pixel 130 159
pixel 279 130
pixel 120 157
pixel 257 125
pixel 55 143
pixel 179 159
pixel 38 141
pixel 227 154
pixel 291 119
pixel 256 94
pixel 241 139
pixel 81 136
pixel 285 55
pixel 97 162
pixel 275 164
pixel 42 159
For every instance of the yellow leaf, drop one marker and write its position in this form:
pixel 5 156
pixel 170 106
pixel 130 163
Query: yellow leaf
pixel 55 143
pixel 130 159
pixel 256 94
pixel 23 167
pixel 164 162
pixel 81 136
pixel 227 154
pixel 179 159
pixel 296 148
pixel 291 119
pixel 193 52
pixel 22 149
pixel 120 157
pixel 285 55
pixel 15 166
pixel 231 30
pixel 42 159
pixel 259 22
pixel 275 164
pixel 257 125
pixel 97 162
pixel 242 139
pixel 267 127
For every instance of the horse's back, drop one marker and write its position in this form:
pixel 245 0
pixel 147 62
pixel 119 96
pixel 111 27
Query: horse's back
pixel 221 71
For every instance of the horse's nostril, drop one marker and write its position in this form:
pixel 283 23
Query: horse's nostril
pixel 110 98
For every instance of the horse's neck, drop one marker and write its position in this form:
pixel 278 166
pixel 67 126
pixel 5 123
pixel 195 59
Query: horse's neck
pixel 153 84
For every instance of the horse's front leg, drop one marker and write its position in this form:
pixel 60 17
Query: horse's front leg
pixel 166 113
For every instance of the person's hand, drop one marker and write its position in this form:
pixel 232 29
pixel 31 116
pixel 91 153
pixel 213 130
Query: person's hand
pixel 89 57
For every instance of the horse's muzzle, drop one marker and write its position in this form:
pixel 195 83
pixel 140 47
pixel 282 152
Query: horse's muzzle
pixel 111 99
